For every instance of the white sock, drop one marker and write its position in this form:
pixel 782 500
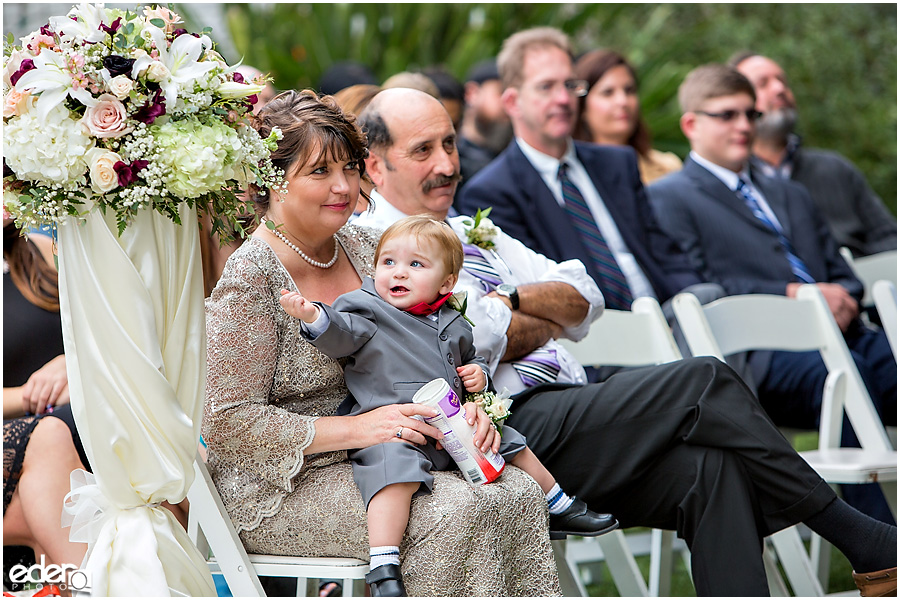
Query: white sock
pixel 383 555
pixel 557 500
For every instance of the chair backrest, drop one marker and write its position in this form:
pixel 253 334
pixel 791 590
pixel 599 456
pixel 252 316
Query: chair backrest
pixel 872 268
pixel 634 338
pixel 210 527
pixel 767 322
pixel 884 293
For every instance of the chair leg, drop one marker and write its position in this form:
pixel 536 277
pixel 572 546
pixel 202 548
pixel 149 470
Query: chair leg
pixel 661 562
pixel 569 582
pixel 796 562
pixel 777 587
pixel 622 566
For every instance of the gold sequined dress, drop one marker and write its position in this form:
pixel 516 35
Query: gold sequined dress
pixel 266 386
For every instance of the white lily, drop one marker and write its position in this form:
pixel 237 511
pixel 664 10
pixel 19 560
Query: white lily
pixel 181 59
pixel 87 26
pixel 51 82
pixel 232 89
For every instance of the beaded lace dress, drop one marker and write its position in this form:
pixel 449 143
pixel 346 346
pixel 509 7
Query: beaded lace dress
pixel 266 386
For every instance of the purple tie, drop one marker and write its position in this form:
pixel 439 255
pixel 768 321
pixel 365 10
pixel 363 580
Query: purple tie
pixel 541 366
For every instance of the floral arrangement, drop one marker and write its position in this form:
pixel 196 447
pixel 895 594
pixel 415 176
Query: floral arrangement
pixel 126 111
pixel 496 405
pixel 481 231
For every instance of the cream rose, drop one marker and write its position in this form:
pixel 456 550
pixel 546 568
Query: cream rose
pixel 103 175
pixel 16 104
pixel 120 86
pixel 106 119
pixel 157 71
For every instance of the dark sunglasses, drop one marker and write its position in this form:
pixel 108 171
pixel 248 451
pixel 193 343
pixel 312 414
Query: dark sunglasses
pixel 730 115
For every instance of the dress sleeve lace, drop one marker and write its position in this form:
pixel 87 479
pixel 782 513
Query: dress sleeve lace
pixel 240 424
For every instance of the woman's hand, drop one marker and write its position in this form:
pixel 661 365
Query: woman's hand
pixel 383 424
pixel 486 435
pixel 47 387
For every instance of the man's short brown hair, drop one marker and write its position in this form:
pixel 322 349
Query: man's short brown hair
pixel 511 60
pixel 712 81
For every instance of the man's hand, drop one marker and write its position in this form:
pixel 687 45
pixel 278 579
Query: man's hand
pixel 472 377
pixel 843 306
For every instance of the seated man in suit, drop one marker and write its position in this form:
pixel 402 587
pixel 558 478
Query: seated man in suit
pixel 856 215
pixel 681 446
pixel 567 199
pixel 754 234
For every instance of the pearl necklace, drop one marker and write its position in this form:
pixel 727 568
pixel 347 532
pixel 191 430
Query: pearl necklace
pixel 303 255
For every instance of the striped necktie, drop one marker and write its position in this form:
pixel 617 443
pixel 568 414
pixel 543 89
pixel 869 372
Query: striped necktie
pixel 542 365
pixel 797 266
pixel 612 281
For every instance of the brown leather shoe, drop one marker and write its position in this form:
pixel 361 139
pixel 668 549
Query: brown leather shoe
pixel 877 583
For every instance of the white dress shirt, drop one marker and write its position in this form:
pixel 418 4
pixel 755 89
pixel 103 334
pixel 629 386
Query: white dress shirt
pixel 730 179
pixel 548 168
pixel 382 216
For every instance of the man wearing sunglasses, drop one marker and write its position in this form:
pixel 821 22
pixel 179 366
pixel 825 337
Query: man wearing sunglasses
pixel 566 199
pixel 758 235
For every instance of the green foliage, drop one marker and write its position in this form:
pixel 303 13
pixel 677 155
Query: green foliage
pixel 841 58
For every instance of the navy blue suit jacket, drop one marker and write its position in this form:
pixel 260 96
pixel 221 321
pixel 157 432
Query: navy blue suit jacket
pixel 525 208
pixel 732 247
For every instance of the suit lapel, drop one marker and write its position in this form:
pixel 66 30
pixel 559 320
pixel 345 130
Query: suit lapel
pixel 712 186
pixel 446 316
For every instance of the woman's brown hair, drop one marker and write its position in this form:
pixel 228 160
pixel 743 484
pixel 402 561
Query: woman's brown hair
pixel 592 67
pixel 308 122
pixel 37 280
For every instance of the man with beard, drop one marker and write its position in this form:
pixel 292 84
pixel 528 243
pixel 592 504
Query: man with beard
pixel 485 130
pixel 856 215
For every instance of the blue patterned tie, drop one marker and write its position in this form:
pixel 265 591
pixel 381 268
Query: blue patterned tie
pixel 541 366
pixel 612 281
pixel 799 269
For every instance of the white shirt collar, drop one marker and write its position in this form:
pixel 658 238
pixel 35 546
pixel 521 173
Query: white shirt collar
pixel 544 163
pixel 727 176
pixel 384 214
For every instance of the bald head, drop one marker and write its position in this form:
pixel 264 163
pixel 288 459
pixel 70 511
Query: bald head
pixel 412 151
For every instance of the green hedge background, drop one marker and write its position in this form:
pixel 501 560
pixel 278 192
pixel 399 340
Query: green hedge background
pixel 841 58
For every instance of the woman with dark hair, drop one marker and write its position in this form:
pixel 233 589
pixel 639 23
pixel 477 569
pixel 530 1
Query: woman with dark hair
pixel 610 112
pixel 277 452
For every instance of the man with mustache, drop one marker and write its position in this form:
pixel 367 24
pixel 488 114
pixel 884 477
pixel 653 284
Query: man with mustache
pixel 856 215
pixel 567 199
pixel 680 446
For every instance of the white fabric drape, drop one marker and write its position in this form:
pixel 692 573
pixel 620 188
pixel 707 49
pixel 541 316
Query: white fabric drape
pixel 135 341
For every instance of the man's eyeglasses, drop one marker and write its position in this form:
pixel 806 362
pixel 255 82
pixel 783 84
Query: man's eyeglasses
pixel 730 115
pixel 574 87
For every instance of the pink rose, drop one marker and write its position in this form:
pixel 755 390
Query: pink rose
pixel 106 119
pixel 167 16
pixel 16 103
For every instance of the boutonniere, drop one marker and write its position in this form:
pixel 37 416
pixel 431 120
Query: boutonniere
pixel 481 231
pixel 458 302
pixel 496 405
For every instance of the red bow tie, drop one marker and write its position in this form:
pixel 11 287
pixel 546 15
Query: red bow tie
pixel 423 309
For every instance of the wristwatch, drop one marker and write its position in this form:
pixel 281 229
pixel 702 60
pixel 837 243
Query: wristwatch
pixel 510 291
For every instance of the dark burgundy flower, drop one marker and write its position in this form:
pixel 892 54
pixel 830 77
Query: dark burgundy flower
pixel 253 99
pixel 178 33
pixel 118 65
pixel 128 174
pixel 25 66
pixel 113 28
pixel 155 107
pixel 238 78
pixel 45 29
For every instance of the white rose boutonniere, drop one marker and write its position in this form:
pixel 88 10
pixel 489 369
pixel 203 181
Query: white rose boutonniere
pixel 481 232
pixel 458 302
pixel 496 405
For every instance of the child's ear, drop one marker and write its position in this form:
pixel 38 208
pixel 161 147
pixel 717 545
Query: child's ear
pixel 448 284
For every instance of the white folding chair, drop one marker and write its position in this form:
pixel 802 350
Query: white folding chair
pixel 870 269
pixel 210 528
pixel 760 321
pixel 884 294
pixel 636 338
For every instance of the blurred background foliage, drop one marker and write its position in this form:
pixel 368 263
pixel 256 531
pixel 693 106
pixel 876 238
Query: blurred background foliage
pixel 841 58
